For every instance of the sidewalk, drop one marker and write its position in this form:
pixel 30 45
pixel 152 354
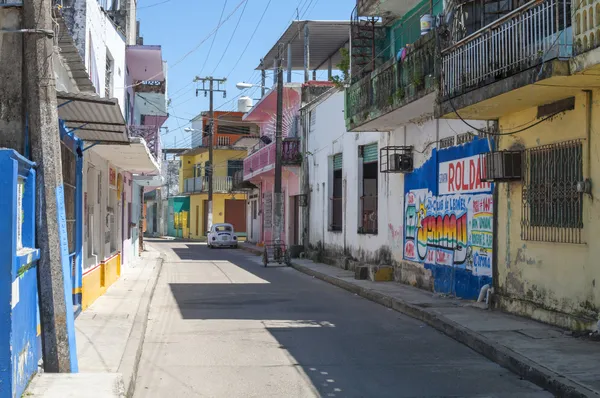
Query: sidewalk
pixel 109 337
pixel 543 354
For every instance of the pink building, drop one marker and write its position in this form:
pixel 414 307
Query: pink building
pixel 259 166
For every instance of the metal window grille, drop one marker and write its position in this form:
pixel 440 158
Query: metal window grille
pixel 368 215
pixel 552 206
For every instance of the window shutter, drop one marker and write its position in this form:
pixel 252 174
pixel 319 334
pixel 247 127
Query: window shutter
pixel 337 161
pixel 370 153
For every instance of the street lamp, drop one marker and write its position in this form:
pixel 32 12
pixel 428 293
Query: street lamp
pixel 243 85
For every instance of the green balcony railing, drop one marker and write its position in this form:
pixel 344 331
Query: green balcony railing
pixel 393 84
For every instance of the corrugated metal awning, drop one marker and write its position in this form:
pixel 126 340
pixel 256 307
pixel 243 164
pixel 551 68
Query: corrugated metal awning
pixel 93 118
pixel 325 40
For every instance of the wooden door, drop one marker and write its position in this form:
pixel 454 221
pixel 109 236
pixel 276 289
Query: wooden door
pixel 235 214
pixel 204 216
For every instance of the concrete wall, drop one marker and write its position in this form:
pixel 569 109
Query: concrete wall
pixel 105 39
pixel 552 282
pixel 397 196
pixel 11 98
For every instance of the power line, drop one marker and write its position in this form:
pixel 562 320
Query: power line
pixel 215 36
pixel 251 38
pixel 180 60
pixel 231 38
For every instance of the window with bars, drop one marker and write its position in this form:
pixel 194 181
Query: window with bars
pixel 313 120
pixel 552 206
pixel 337 197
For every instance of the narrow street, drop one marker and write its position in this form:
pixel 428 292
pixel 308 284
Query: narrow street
pixel 222 325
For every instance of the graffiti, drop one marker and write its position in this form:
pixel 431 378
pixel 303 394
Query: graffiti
pixel 395 237
pixel 452 230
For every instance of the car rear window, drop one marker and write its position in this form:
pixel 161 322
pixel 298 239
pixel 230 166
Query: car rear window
pixel 223 228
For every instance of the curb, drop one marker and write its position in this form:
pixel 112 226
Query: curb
pixel 130 361
pixel 505 357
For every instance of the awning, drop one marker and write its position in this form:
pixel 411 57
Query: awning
pixel 325 40
pixel 135 157
pixel 93 118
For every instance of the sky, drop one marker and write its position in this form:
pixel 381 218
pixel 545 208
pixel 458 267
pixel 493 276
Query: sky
pixel 186 28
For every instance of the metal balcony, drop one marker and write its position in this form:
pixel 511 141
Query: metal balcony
pixel 200 184
pixel 263 160
pixel 527 37
pixel 391 87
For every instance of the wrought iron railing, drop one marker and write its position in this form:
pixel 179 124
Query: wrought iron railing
pixel 150 134
pixel 369 215
pixel 530 35
pixel 200 184
pixel 395 83
pixel 290 152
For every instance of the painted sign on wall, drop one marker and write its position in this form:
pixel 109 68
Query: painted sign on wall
pixel 461 176
pixel 450 230
pixel 448 224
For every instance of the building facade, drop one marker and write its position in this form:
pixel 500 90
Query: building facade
pixel 543 99
pixel 231 139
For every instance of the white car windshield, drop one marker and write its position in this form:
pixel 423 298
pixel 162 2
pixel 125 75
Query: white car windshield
pixel 223 228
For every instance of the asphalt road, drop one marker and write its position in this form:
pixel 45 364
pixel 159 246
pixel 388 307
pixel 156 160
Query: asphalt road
pixel 222 325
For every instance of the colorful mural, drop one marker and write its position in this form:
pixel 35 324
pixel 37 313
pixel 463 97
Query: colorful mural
pixel 449 220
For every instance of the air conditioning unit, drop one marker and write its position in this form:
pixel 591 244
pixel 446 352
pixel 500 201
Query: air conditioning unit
pixel 400 163
pixel 396 159
pixel 500 166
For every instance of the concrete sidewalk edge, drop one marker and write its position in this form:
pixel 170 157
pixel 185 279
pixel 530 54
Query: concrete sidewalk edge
pixel 130 360
pixel 513 361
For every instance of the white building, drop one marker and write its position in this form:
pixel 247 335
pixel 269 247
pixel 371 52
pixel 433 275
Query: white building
pixel 361 211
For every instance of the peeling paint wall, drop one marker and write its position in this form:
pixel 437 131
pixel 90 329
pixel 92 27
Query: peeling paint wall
pixel 329 137
pixel 553 282
pixel 449 219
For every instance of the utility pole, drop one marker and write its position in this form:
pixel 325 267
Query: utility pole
pixel 210 91
pixel 54 283
pixel 278 216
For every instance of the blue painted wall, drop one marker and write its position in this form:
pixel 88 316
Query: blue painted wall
pixel 75 145
pixel 448 219
pixel 20 343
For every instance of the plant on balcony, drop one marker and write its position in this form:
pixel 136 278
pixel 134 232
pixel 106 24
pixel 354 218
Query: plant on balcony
pixel 344 67
pixel 400 94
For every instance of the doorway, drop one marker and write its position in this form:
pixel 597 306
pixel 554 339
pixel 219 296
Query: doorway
pixel 235 214
pixel 204 217
pixel 197 219
pixel 295 220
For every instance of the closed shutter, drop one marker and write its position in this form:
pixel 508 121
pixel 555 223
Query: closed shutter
pixel 370 153
pixel 337 161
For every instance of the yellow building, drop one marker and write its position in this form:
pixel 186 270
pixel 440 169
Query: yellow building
pixel 231 141
pixel 543 102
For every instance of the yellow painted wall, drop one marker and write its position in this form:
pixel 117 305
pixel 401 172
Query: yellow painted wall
pixel 218 210
pixel 92 287
pixel 561 277
pixel 220 158
pixel 95 283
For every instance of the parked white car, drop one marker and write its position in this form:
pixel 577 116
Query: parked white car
pixel 221 235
